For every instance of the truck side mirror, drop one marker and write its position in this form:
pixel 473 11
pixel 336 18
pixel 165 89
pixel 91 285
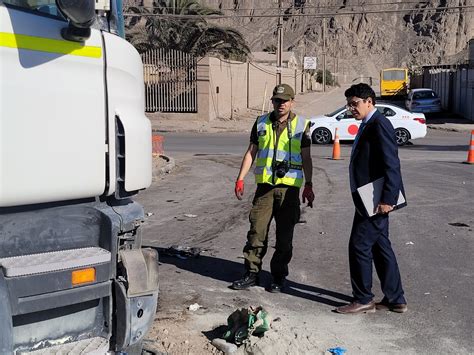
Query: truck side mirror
pixel 81 16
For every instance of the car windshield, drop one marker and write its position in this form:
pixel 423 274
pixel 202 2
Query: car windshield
pixel 428 94
pixel 335 112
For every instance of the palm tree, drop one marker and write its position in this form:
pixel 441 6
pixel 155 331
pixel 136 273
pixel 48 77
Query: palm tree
pixel 195 36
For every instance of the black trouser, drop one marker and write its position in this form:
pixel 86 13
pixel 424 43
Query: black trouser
pixel 369 242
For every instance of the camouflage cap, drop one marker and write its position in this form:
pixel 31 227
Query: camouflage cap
pixel 283 92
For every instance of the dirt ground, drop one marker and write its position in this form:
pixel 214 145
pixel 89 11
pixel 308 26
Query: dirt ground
pixel 181 212
pixel 175 328
pixel 192 205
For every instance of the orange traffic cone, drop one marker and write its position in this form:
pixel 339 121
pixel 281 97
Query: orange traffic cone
pixel 470 152
pixel 336 149
pixel 157 145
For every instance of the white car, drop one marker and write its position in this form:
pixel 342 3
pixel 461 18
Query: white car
pixel 407 125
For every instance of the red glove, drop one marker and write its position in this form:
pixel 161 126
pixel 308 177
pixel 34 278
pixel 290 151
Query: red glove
pixel 239 189
pixel 308 195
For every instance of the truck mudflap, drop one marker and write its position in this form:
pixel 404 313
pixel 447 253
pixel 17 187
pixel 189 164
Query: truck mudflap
pixel 6 326
pixel 136 296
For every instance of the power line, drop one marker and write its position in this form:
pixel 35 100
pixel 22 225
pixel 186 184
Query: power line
pixel 320 15
pixel 299 7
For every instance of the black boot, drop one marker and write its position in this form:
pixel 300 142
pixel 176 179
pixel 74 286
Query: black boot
pixel 248 280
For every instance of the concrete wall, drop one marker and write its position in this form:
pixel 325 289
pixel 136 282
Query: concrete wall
pixel 463 100
pixel 455 88
pixel 236 86
pixel 225 88
pixel 263 78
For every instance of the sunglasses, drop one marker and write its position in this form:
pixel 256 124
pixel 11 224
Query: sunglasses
pixel 354 103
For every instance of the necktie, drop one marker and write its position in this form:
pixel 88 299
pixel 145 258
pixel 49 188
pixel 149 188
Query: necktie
pixel 359 132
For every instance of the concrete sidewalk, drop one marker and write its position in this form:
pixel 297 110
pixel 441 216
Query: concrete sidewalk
pixel 451 124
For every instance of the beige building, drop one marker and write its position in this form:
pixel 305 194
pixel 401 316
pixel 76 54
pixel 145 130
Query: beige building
pixel 288 59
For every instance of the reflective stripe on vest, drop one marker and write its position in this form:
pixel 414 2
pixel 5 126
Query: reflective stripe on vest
pixel 266 152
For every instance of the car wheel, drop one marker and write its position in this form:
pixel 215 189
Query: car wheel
pixel 402 135
pixel 321 135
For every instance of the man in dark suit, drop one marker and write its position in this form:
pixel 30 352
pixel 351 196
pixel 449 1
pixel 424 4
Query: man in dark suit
pixel 374 155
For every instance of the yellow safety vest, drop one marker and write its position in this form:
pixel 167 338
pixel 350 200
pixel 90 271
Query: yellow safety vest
pixel 269 155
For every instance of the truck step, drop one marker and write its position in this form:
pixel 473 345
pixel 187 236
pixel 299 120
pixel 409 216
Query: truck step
pixel 53 261
pixel 93 346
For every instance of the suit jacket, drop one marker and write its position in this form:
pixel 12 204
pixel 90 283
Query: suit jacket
pixel 376 156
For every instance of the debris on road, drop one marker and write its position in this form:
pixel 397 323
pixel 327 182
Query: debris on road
pixel 194 307
pixel 181 252
pixel 409 243
pixel 224 346
pixel 337 351
pixel 189 215
pixel 245 322
pixel 149 214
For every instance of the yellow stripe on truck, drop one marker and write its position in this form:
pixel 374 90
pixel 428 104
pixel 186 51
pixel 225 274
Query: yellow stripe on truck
pixel 42 44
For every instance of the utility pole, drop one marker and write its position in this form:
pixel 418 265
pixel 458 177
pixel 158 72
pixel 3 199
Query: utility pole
pixel 280 43
pixel 324 54
pixel 303 74
pixel 336 59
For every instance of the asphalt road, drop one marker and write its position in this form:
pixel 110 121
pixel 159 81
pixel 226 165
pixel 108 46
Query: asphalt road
pixel 432 237
pixel 236 143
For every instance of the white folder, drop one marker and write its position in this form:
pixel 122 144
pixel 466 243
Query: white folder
pixel 371 193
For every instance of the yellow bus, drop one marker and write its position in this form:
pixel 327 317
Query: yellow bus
pixel 394 82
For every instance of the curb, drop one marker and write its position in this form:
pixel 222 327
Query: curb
pixel 449 128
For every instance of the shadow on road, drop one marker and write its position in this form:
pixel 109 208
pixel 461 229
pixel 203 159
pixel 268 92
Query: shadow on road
pixel 229 271
pixel 435 148
pixel 217 332
pixel 446 117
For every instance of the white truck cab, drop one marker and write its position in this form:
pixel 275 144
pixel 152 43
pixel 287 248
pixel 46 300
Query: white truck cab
pixel 75 146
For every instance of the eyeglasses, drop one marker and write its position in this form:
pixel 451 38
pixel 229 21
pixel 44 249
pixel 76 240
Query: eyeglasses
pixel 353 104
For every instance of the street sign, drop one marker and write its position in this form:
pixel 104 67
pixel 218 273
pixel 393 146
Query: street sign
pixel 309 63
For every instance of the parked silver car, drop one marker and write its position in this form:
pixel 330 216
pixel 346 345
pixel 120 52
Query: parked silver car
pixel 423 100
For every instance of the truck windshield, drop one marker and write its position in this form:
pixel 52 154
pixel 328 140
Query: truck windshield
pixel 44 6
pixel 113 22
pixel 394 75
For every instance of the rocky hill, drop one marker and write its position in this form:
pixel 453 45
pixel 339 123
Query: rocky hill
pixel 382 33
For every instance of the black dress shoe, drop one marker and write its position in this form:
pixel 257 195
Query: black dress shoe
pixel 277 285
pixel 248 280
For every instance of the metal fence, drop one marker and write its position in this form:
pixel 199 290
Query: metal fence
pixel 170 81
pixel 454 85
